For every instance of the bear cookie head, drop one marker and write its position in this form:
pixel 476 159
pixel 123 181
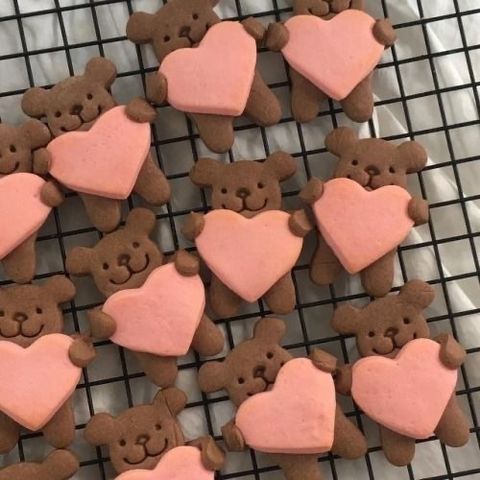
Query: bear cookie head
pixel 140 436
pixel 74 103
pixel 373 162
pixel 59 465
pixel 28 312
pixel 17 145
pixel 178 24
pixel 251 367
pixel 325 9
pixel 385 325
pixel 247 187
pixel 122 259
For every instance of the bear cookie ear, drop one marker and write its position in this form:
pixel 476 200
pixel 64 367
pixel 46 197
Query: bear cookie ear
pixel 206 172
pixel 173 398
pixel 79 261
pixel 141 220
pixel 417 293
pixel 270 330
pixel 340 140
pixel 60 288
pixel 101 429
pixel 140 27
pixel 212 376
pixel 346 320
pixel 412 156
pixel 35 102
pixel 36 133
pixel 101 70
pixel 60 465
pixel 281 165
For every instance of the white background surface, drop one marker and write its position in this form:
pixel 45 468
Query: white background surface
pixel 418 109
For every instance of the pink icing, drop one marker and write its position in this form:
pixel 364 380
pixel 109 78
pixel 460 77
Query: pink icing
pixel 180 463
pixel 248 255
pixel 362 226
pixel 407 394
pixel 104 161
pixel 216 77
pixel 36 381
pixel 297 416
pixel 22 213
pixel 162 316
pixel 335 55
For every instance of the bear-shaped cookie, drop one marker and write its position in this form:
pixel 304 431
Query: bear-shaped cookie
pixel 247 241
pixel 59 465
pixel 100 150
pixel 411 376
pixel 381 168
pixel 28 198
pixel 31 340
pixel 332 47
pixel 142 437
pixel 213 83
pixel 251 371
pixel 128 268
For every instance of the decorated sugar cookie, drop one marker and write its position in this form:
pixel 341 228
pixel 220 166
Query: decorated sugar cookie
pixel 405 381
pixel 207 67
pixel 365 212
pixel 25 198
pixel 146 442
pixel 332 49
pixel 39 365
pixel 100 150
pixel 154 309
pixel 286 406
pixel 249 244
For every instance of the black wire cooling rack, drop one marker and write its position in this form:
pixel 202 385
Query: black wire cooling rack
pixel 427 89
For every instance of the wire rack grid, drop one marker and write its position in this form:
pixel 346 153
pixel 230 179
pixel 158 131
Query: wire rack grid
pixel 426 89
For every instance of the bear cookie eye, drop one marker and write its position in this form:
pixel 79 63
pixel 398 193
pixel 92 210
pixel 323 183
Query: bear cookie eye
pixel 406 321
pixel 354 163
pixel 105 266
pixel 260 185
pixel 122 443
pixel 371 334
pixel 135 244
pixel 39 310
pixel 241 380
pixel 166 38
pixel 269 355
pixel 391 170
pixel 2 313
pixel 223 190
pixel 158 426
pixel 195 16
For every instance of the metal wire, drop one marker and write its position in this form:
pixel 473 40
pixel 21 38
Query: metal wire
pixel 169 217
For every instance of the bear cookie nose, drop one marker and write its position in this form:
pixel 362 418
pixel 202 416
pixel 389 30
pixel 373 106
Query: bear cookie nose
pixel 20 317
pixel 391 332
pixel 372 170
pixel 142 439
pixel 76 109
pixel 243 192
pixel 124 259
pixel 185 31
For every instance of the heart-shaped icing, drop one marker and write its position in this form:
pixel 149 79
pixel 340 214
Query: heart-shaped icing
pixel 362 226
pixel 162 316
pixel 22 213
pixel 297 416
pixel 180 463
pixel 335 55
pixel 407 394
pixel 216 77
pixel 36 381
pixel 105 160
pixel 249 255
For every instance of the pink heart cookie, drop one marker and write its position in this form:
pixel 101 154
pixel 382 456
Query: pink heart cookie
pixel 297 416
pixel 22 213
pixel 104 161
pixel 36 381
pixel 216 77
pixel 180 463
pixel 249 255
pixel 335 55
pixel 362 226
pixel 407 394
pixel 162 316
